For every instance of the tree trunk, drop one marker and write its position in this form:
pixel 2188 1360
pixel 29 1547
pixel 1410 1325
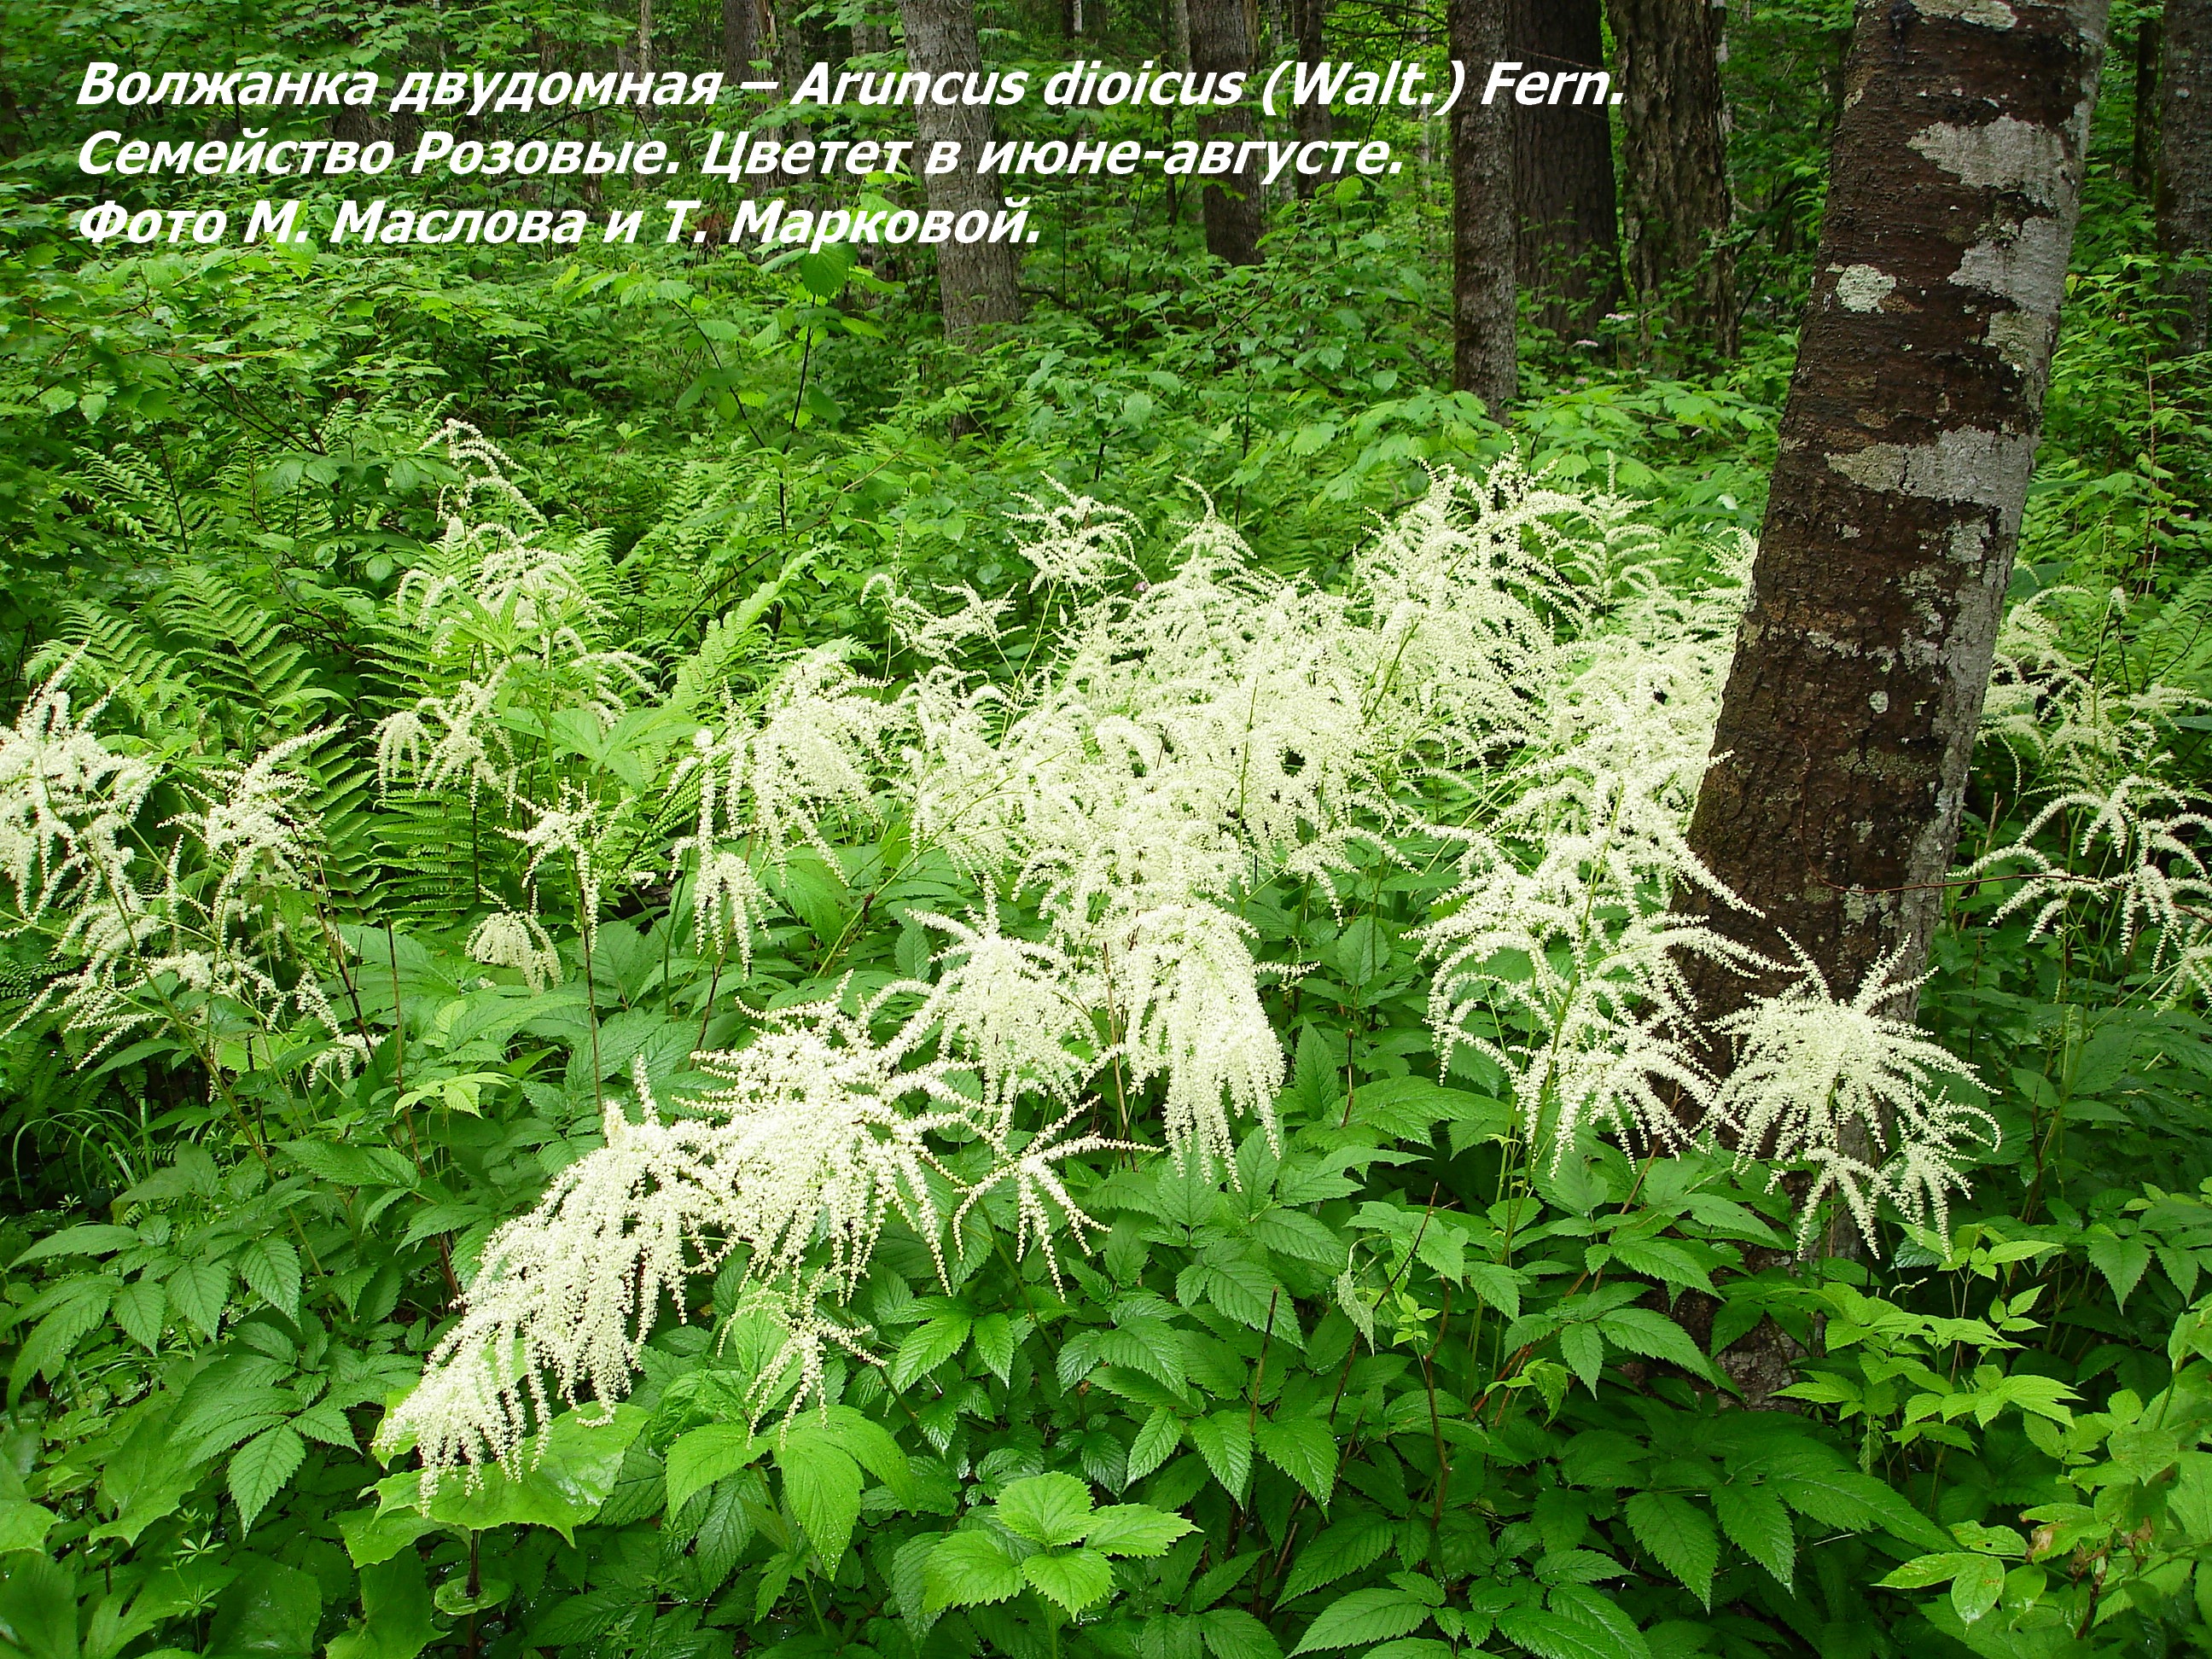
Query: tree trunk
pixel 1309 42
pixel 1483 288
pixel 1221 44
pixel 2142 153
pixel 1563 194
pixel 2184 161
pixel 1851 708
pixel 978 283
pixel 1675 149
pixel 740 42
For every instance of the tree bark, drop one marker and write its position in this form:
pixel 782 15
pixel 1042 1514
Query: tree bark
pixel 1832 808
pixel 1563 189
pixel 2184 161
pixel 1310 41
pixel 1483 288
pixel 1675 151
pixel 978 283
pixel 2142 152
pixel 1221 44
pixel 740 42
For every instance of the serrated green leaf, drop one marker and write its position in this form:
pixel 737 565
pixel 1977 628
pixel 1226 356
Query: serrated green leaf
pixel 139 1309
pixel 1134 1529
pixel 822 1485
pixel 1303 1448
pixel 1756 1522
pixel 1155 1444
pixel 1640 1330
pixel 259 1468
pixel 1583 1349
pixel 1345 1548
pixel 1679 1536
pixel 705 1455
pixel 929 1346
pixel 1047 1508
pixel 198 1291
pixel 271 1267
pixel 1364 1616
pixel 969 1569
pixel 1073 1579
pixel 1225 1441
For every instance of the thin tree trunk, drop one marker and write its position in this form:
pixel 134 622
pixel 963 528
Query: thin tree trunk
pixel 1483 288
pixel 1563 189
pixel 978 283
pixel 1310 41
pixel 740 42
pixel 1221 44
pixel 1851 708
pixel 2184 162
pixel 1674 150
pixel 1178 20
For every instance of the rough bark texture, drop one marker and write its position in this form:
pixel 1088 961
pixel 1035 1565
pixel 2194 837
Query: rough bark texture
pixel 1221 42
pixel 2142 151
pixel 978 283
pixel 1483 293
pixel 1309 43
pixel 740 42
pixel 1675 152
pixel 1563 191
pixel 2185 165
pixel 1912 425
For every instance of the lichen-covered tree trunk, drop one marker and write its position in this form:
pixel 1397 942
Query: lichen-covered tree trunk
pixel 978 283
pixel 1221 44
pixel 2185 164
pixel 1563 188
pixel 1674 153
pixel 1483 289
pixel 1832 805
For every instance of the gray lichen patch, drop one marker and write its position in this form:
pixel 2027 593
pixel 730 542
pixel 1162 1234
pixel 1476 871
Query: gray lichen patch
pixel 1967 464
pixel 1862 288
pixel 1985 13
pixel 2025 262
pixel 2006 154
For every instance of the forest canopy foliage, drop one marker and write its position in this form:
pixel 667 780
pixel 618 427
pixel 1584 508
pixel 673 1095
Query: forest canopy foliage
pixel 685 970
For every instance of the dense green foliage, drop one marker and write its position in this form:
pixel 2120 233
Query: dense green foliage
pixel 1393 1381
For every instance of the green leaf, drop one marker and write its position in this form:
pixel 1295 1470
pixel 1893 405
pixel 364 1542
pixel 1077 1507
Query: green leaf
pixel 259 1468
pixel 823 1486
pixel 23 1524
pixel 1925 1570
pixel 1977 1586
pixel 1134 1529
pixel 1233 1633
pixel 139 1307
pixel 1225 1441
pixel 1582 1348
pixel 1303 1448
pixel 1849 1499
pixel 559 1483
pixel 705 1455
pixel 269 1611
pixel 1639 1330
pixel 994 1335
pixel 271 1267
pixel 198 1290
pixel 1757 1524
pixel 1074 1578
pixel 38 1608
pixel 372 1536
pixel 967 1569
pixel 1559 1635
pixel 395 1608
pixel 929 1346
pixel 2121 1261
pixel 1345 1548
pixel 1364 1616
pixel 98 1238
pixel 1155 1444
pixel 870 1445
pixel 1679 1536
pixel 1047 1508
